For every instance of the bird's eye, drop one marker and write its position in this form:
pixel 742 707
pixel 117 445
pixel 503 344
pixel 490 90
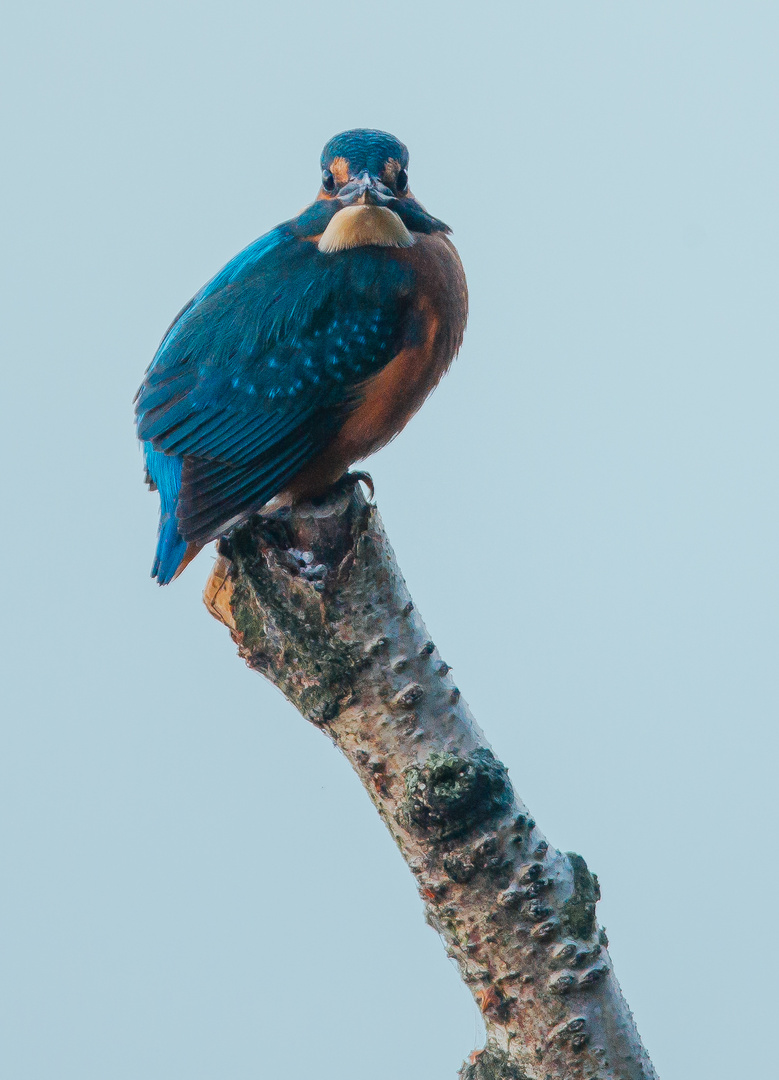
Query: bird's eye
pixel 328 180
pixel 401 180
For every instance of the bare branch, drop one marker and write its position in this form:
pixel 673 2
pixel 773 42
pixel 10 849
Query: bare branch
pixel 317 604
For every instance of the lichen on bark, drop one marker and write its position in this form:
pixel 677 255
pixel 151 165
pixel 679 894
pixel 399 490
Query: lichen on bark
pixel 446 795
pixel 578 913
pixel 316 603
pixel 489 1064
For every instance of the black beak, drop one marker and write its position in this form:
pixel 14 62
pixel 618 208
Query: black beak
pixel 366 190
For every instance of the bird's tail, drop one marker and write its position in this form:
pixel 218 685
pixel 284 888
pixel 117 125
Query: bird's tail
pixel 171 549
pixel 164 474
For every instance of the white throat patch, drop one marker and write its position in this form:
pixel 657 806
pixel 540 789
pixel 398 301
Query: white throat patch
pixel 362 226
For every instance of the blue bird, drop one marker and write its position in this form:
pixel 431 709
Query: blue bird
pixel 312 348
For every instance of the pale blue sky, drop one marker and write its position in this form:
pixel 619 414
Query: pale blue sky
pixel 195 885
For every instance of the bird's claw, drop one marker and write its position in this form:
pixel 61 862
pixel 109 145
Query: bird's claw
pixel 360 477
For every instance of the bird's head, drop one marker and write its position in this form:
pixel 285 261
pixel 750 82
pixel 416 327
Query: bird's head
pixel 369 169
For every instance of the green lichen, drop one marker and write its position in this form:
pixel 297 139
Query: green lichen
pixel 286 633
pixel 492 1064
pixel 447 794
pixel 578 914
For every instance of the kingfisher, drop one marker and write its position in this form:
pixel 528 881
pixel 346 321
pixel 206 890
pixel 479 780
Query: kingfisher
pixel 308 351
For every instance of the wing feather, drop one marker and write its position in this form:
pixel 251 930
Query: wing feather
pixel 210 501
pixel 258 372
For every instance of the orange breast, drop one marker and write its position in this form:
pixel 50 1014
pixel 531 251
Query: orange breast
pixel 390 399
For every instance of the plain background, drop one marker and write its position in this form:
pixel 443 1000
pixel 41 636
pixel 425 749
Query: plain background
pixel 194 884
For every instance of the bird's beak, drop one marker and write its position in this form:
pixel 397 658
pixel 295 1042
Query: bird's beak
pixel 365 190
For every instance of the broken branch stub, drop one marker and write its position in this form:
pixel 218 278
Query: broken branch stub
pixel 316 603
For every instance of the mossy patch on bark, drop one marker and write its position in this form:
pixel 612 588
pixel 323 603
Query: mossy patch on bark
pixel 491 1064
pixel 447 794
pixel 286 633
pixel 578 914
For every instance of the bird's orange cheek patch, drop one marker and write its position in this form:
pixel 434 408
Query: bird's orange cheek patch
pixel 339 167
pixel 389 173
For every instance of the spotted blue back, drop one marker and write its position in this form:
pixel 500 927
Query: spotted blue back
pixel 257 374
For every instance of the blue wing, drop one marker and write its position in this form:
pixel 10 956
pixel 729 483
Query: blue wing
pixel 163 473
pixel 256 376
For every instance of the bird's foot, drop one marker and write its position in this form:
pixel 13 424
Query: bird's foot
pixel 359 477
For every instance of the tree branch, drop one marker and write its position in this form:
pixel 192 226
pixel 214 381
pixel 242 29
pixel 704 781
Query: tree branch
pixel 316 603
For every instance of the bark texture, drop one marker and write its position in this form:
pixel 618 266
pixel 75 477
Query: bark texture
pixel 315 601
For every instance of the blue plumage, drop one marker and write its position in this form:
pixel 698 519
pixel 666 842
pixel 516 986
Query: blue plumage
pixel 257 374
pixel 164 473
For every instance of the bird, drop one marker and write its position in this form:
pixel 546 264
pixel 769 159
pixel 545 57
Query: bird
pixel 308 351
